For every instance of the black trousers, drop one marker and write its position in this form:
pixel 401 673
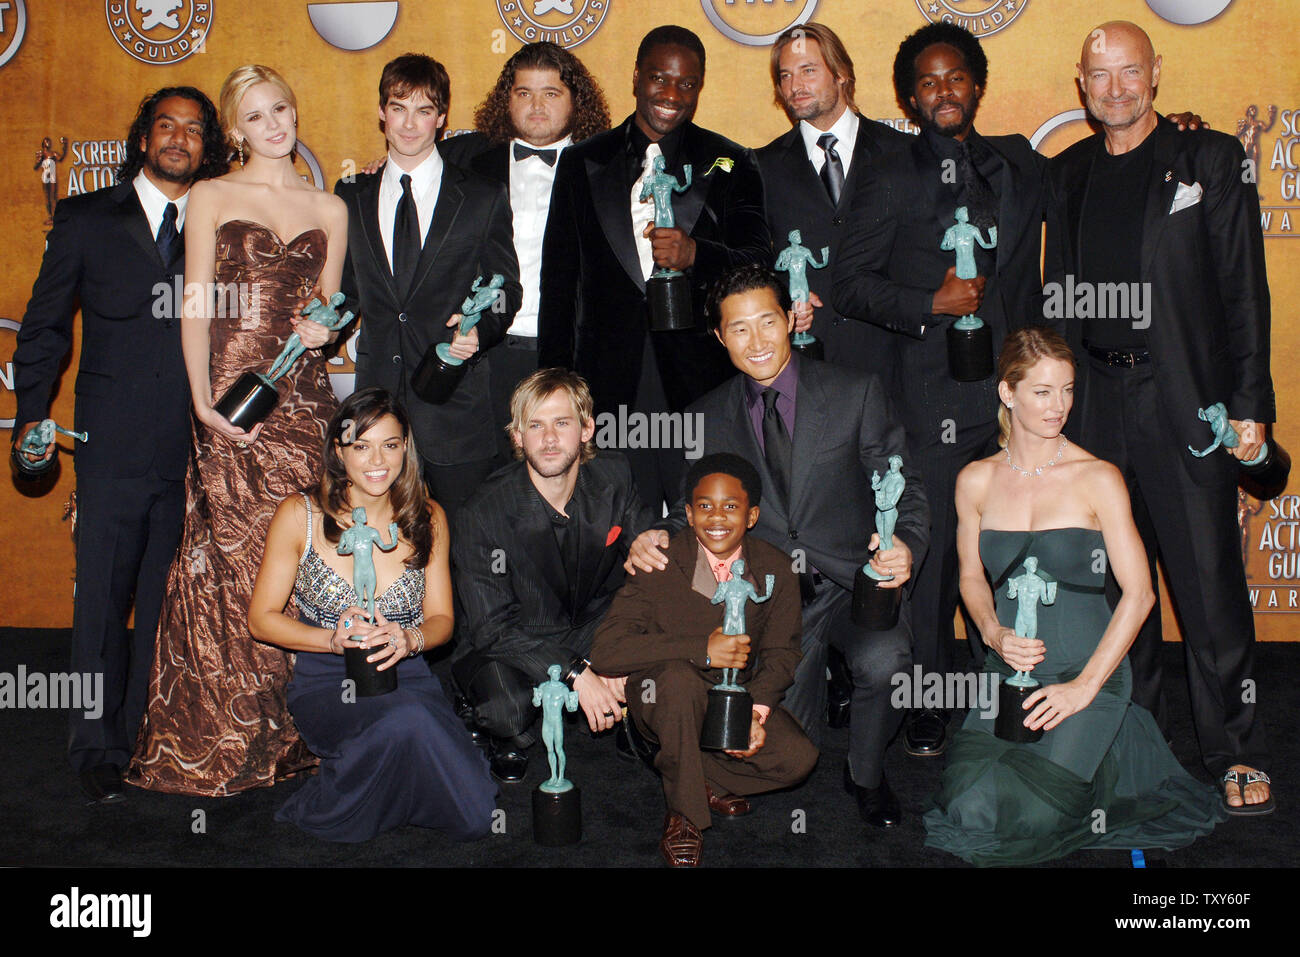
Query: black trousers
pixel 128 530
pixel 451 485
pixel 501 695
pixel 937 591
pixel 510 363
pixel 1193 529
pixel 873 658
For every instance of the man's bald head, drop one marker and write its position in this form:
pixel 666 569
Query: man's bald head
pixel 1118 73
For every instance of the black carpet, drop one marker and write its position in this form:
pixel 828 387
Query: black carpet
pixel 44 821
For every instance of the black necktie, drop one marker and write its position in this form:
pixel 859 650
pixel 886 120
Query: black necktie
pixel 406 238
pixel 832 169
pixel 168 239
pixel 776 444
pixel 981 202
pixel 522 152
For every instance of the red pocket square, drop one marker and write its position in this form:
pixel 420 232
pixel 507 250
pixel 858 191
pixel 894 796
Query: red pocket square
pixel 613 535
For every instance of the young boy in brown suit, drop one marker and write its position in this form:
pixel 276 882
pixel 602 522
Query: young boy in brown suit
pixel 664 633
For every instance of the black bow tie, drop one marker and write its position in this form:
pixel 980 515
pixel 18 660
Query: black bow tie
pixel 548 156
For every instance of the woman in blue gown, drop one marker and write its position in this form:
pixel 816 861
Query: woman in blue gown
pixel 393 759
pixel 1102 775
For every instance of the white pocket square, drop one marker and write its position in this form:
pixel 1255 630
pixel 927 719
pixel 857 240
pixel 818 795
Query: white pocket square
pixel 1186 196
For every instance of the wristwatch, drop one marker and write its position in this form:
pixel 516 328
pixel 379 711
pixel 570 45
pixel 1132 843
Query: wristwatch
pixel 576 667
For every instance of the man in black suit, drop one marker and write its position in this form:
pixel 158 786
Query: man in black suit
pixel 812 173
pixel 419 232
pixel 544 101
pixel 816 432
pixel 118 251
pixel 537 556
pixel 891 272
pixel 1173 220
pixel 601 246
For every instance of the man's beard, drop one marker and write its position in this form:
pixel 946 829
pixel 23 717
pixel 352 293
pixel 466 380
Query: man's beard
pixel 165 174
pixel 541 468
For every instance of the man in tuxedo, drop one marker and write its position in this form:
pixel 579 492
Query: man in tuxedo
pixel 1174 219
pixel 118 252
pixel 816 432
pixel 419 232
pixel 891 272
pixel 813 172
pixel 601 247
pixel 543 101
pixel 537 556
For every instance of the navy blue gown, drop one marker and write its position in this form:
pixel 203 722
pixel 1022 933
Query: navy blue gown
pixel 387 761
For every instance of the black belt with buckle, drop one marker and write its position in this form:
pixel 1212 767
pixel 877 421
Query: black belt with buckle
pixel 1126 358
pixel 523 343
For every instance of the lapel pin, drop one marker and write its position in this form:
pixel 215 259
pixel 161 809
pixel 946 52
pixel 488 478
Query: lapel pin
pixel 1169 174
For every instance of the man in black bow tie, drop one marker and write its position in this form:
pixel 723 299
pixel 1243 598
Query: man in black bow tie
pixel 118 253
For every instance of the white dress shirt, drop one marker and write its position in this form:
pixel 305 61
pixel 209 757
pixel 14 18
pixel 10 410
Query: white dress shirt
pixel 531 181
pixel 846 135
pixel 426 183
pixel 155 203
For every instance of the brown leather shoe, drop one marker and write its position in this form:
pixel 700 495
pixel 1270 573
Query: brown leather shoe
pixel 681 842
pixel 728 805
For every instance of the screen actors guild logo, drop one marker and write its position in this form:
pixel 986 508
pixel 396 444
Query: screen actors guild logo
pixel 353 26
pixel 756 24
pixel 980 17
pixel 1188 12
pixel 159 31
pixel 13 24
pixel 565 23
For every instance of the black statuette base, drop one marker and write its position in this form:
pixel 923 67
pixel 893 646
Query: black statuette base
pixel 557 818
pixel 874 608
pixel 970 353
pixel 727 721
pixel 28 471
pixel 368 680
pixel 813 350
pixel 1009 725
pixel 669 301
pixel 1267 480
pixel 436 379
pixel 248 401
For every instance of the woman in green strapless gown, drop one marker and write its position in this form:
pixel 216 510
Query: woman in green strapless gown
pixel 1102 775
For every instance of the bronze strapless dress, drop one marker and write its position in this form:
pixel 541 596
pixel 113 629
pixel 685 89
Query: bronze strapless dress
pixel 217 721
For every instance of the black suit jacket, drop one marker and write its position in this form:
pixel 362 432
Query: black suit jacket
pixel 592 316
pixel 509 573
pixel 1209 302
pixel 845 428
pixel 797 199
pixel 475 151
pixel 133 395
pixel 890 265
pixel 470 235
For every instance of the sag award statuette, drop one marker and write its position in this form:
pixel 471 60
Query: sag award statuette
pixel 731 707
pixel 668 291
pixel 970 341
pixel 1028 589
pixel 557 804
pixel 439 371
pixel 795 259
pixel 1265 475
pixel 37 441
pixel 253 396
pixel 874 607
pixel 357 542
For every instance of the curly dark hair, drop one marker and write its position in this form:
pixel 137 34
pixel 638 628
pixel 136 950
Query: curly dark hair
pixel 590 111
pixel 725 463
pixel 216 152
pixel 965 43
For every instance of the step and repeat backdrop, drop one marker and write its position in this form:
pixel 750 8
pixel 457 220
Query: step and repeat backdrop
pixel 73 73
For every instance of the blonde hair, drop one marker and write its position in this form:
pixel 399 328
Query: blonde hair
pixel 536 389
pixel 241 80
pixel 1021 350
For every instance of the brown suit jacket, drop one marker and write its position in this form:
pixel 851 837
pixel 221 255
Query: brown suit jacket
pixel 658 617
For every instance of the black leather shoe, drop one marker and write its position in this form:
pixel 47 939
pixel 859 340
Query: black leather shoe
pixel 926 735
pixel 632 745
pixel 103 784
pixel 878 806
pixel 508 761
pixel 465 711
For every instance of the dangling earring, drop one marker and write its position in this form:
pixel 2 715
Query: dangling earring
pixel 240 147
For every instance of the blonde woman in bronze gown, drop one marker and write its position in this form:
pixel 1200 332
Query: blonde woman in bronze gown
pixel 217 721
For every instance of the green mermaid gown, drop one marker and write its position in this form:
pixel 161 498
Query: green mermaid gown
pixel 1102 778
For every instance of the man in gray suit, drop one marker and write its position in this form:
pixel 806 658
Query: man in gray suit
pixel 816 432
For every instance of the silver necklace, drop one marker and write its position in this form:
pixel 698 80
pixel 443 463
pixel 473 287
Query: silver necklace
pixel 1042 468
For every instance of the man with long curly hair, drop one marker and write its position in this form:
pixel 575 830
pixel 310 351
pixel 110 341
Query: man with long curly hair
pixel 543 101
pixel 118 251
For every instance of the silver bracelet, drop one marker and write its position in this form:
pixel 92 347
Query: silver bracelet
pixel 419 639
